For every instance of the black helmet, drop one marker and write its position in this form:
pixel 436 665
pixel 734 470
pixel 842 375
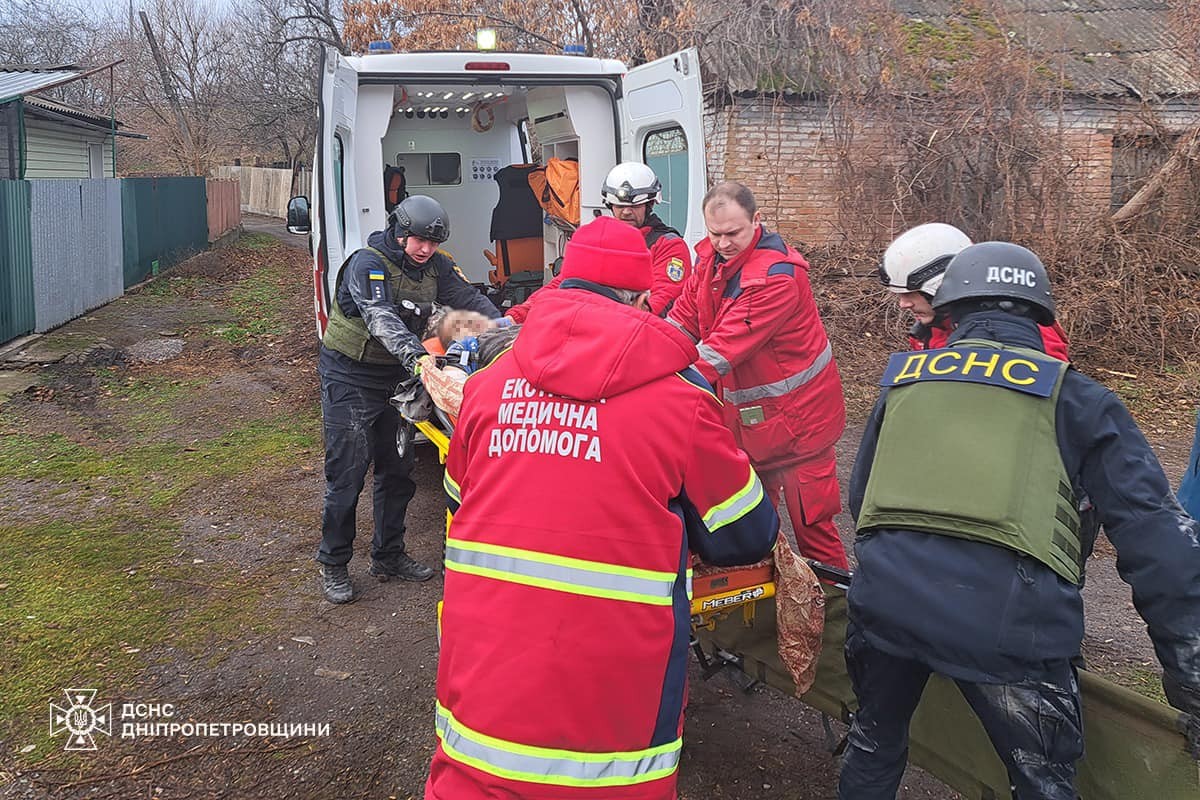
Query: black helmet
pixel 999 271
pixel 421 215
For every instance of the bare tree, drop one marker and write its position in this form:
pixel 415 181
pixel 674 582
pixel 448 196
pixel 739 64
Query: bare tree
pixel 36 33
pixel 314 21
pixel 199 54
pixel 276 80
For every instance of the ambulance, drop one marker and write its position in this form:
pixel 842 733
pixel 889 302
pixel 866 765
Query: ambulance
pixel 467 128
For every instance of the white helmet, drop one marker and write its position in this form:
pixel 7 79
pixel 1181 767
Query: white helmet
pixel 631 183
pixel 915 261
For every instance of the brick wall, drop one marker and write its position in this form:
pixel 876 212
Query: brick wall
pixel 796 157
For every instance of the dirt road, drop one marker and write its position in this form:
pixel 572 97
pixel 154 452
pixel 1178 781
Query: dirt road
pixel 161 487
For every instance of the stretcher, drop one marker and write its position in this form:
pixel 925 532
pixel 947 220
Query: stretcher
pixel 1135 746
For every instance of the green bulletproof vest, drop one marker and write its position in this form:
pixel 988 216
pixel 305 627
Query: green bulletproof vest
pixel 968 448
pixel 349 335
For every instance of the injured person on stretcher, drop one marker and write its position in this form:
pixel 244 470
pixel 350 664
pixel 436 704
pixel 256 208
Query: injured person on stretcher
pixel 459 343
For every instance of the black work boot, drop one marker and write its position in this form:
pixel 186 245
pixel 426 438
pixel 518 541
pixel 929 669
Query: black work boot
pixel 402 566
pixel 335 580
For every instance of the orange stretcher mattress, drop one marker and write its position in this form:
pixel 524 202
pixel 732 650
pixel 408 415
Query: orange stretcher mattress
pixel 799 607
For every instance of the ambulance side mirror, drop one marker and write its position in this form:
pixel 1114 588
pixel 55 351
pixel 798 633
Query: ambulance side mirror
pixel 298 220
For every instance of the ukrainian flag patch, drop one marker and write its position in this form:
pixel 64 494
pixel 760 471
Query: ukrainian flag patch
pixel 376 274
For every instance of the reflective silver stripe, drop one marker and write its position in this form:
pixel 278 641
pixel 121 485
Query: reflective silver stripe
pixel 714 358
pixel 779 388
pixel 560 574
pixel 553 766
pixel 451 488
pixel 735 507
pixel 686 332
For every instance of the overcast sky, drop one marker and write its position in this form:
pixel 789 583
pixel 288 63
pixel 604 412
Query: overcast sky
pixel 122 6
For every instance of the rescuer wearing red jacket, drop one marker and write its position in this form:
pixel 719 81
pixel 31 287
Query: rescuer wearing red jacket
pixel 630 191
pixel 749 306
pixel 589 461
pixel 912 269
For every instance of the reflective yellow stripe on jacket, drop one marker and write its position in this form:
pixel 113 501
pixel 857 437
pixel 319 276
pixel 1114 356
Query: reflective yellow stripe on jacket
pixel 562 574
pixel 520 762
pixel 736 507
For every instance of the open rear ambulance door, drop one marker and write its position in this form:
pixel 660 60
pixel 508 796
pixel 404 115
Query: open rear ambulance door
pixel 661 125
pixel 336 110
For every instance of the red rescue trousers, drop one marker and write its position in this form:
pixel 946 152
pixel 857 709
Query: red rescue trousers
pixel 810 490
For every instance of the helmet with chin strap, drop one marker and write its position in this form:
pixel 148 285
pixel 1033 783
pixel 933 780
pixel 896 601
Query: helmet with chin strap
pixel 916 259
pixel 631 183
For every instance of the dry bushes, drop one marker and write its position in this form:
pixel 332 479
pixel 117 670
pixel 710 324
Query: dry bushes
pixel 1129 300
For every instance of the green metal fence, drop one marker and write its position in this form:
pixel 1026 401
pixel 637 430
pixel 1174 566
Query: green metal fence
pixel 161 221
pixel 16 261
pixel 165 221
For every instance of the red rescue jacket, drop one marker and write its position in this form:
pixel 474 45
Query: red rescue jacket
pixel 932 337
pixel 672 263
pixel 589 461
pixel 761 339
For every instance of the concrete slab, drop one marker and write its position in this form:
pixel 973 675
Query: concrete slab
pixel 15 381
pixel 69 340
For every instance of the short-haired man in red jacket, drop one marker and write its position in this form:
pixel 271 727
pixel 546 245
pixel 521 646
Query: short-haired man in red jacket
pixel 590 460
pixel 749 307
pixel 630 191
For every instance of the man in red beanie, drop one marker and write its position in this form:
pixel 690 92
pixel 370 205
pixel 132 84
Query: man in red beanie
pixel 750 309
pixel 565 627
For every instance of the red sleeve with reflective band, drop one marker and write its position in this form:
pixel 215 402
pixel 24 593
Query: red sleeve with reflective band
pixel 672 265
pixel 518 313
pixel 738 522
pixel 752 319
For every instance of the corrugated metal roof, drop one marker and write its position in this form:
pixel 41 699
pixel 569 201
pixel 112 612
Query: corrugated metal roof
pixel 100 121
pixel 1100 47
pixel 19 81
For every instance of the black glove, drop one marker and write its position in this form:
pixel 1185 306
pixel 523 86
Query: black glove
pixel 412 400
pixel 409 362
pixel 1187 700
pixel 415 315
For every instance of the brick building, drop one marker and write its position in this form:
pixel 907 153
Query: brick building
pixel 1123 88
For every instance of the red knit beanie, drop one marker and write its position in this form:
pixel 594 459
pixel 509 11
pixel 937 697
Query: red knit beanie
pixel 608 252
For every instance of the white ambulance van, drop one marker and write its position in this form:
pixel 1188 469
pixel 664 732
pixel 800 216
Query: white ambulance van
pixel 451 121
